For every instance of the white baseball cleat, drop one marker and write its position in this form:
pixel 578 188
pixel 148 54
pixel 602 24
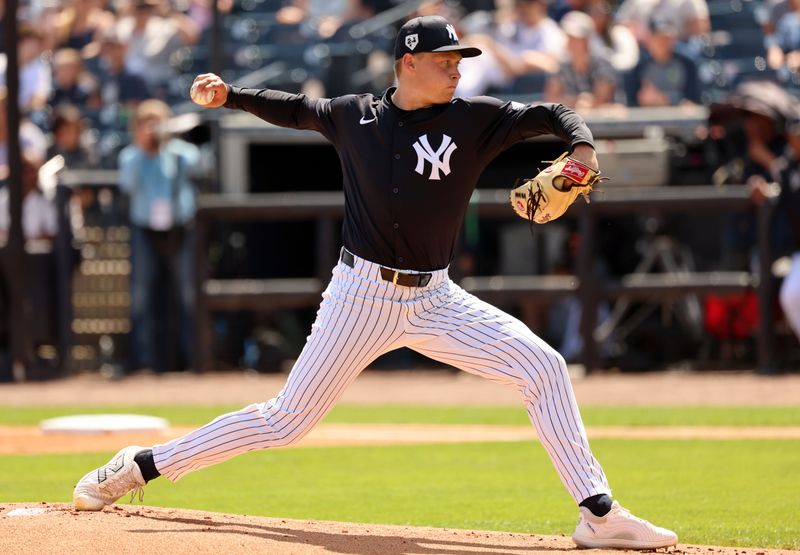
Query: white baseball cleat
pixel 620 529
pixel 106 484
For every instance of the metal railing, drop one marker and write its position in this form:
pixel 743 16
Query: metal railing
pixel 327 209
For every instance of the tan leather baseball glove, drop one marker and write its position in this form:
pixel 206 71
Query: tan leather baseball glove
pixel 548 195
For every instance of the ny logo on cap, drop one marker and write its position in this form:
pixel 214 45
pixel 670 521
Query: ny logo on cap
pixel 451 32
pixel 412 41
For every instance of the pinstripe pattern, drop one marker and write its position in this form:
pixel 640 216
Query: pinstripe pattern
pixel 459 329
pixel 362 317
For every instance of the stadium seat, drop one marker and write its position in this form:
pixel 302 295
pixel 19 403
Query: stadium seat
pixel 732 14
pixel 256 6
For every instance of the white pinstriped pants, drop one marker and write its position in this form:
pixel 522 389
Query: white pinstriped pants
pixel 362 317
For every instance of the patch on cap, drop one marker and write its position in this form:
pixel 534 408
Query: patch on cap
pixel 430 33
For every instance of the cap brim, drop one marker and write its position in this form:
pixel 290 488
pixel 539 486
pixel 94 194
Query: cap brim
pixel 465 51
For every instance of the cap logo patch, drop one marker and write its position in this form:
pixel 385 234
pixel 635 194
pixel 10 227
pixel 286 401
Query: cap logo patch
pixel 412 41
pixel 451 32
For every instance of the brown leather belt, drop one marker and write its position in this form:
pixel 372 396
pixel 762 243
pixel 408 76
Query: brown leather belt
pixel 398 278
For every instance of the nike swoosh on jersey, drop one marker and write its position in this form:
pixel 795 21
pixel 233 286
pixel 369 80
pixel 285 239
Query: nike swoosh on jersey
pixel 363 121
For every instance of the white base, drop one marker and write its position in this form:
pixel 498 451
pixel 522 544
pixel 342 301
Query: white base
pixel 103 423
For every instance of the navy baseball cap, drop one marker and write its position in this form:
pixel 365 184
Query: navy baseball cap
pixel 430 33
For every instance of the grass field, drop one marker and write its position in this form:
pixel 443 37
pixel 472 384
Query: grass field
pixel 404 414
pixel 735 493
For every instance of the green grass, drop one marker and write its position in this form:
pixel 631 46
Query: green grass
pixel 736 493
pixel 501 415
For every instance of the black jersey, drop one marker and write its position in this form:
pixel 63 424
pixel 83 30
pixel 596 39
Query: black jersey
pixel 409 175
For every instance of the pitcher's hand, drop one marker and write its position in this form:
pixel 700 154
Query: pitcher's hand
pixel 212 82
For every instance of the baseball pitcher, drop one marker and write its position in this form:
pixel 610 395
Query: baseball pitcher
pixel 410 158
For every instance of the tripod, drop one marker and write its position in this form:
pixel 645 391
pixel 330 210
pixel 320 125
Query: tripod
pixel 658 252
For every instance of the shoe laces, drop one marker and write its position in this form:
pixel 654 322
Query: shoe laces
pixel 137 491
pixel 625 512
pixel 121 483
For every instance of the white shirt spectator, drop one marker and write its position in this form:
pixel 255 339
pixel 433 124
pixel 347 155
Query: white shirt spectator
pixel 636 14
pixel 683 14
pixel 545 37
pixel 34 79
pixel 480 73
pixel 38 216
pixel 31 140
pixel 149 52
pixel 621 48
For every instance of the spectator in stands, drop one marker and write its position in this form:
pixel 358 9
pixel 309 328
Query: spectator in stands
pixel 39 223
pixel 153 32
pixel 534 39
pixel 785 170
pixel 764 141
pixel 452 11
pixel 770 13
pixel 202 14
pixel 612 41
pixel 154 172
pixel 38 213
pixel 784 45
pixel 68 139
pixel 371 67
pixel 559 8
pixel 689 17
pixel 71 83
pixel 81 25
pixel 322 17
pixel 585 81
pixel 34 72
pixel 750 126
pixel 664 77
pixel 530 42
pixel 31 138
pixel 120 89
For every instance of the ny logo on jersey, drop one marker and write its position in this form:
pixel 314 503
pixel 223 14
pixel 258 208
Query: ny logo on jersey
pixel 439 158
pixel 451 31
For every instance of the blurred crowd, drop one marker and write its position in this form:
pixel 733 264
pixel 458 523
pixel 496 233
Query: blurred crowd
pixel 99 77
pixel 86 64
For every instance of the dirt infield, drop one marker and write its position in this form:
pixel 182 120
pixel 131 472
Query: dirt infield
pixel 24 440
pixel 410 388
pixel 127 529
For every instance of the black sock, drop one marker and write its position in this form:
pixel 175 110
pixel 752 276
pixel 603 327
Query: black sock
pixel 146 464
pixel 599 504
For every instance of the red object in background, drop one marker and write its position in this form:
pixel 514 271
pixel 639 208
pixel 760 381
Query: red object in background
pixel 732 316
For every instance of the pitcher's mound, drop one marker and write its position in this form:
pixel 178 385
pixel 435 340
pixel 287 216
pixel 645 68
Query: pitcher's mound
pixel 57 528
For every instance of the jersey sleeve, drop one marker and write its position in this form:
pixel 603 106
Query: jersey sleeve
pixel 296 111
pixel 507 123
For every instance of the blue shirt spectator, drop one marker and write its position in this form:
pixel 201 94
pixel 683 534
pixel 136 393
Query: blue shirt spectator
pixel 663 77
pixel 787 33
pixel 155 175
